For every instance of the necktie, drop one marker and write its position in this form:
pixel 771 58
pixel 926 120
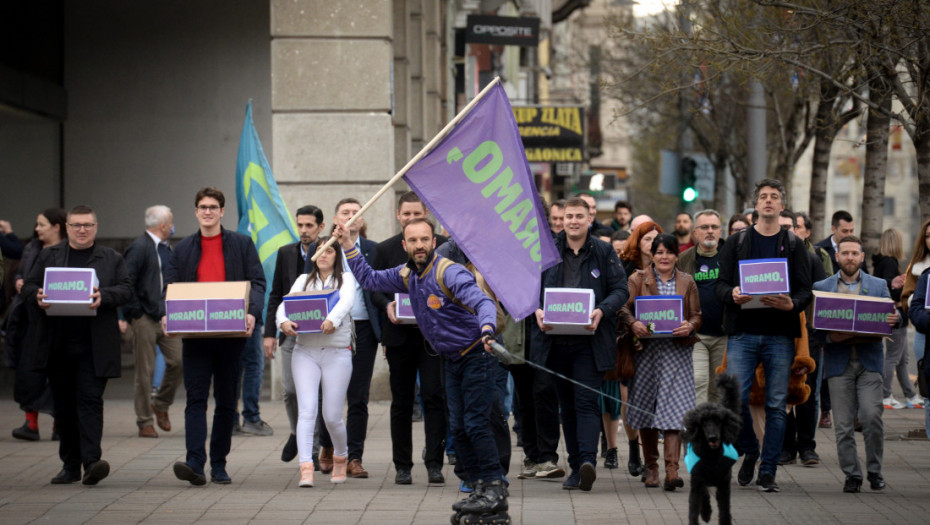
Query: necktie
pixel 164 256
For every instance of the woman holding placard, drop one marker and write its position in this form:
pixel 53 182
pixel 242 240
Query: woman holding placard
pixel 323 358
pixel 662 387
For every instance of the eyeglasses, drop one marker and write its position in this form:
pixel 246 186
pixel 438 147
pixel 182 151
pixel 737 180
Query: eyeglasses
pixel 706 227
pixel 87 226
pixel 208 208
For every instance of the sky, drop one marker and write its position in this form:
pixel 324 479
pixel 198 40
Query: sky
pixel 651 7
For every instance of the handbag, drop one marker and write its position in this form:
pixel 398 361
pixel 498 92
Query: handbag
pixel 626 347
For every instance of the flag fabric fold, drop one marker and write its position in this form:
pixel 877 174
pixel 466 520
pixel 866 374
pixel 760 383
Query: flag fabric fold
pixel 262 212
pixel 478 183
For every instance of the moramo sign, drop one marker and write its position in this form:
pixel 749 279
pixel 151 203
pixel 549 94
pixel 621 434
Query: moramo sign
pixel 551 133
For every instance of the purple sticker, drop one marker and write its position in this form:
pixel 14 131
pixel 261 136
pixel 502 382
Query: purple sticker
pixel 308 313
pixel 403 306
pixel 595 273
pixel 226 315
pixel 68 285
pixel 763 276
pixel 567 307
pixel 663 311
pixel 186 315
pixel 852 315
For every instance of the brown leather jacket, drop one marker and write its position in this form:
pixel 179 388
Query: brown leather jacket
pixel 643 282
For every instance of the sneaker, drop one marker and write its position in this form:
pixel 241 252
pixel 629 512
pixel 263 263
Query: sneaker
pixel 852 485
pixel 766 482
pixel 572 482
pixel 747 471
pixel 586 474
pixel 466 487
pixel 530 468
pixel 809 458
pixel 237 430
pixel 893 404
pixel 548 469
pixel 257 428
pixel 915 402
pixel 825 420
pixel 787 458
pixel 876 481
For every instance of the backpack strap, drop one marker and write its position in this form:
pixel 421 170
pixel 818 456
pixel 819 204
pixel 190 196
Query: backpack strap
pixel 441 266
pixel 405 275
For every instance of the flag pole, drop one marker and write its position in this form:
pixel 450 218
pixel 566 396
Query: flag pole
pixel 423 152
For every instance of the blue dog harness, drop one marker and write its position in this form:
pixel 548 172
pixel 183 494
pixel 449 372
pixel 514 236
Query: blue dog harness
pixel 691 458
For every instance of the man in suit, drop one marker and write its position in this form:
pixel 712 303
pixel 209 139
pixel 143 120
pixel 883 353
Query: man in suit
pixel 365 317
pixel 853 365
pixel 841 225
pixel 408 353
pixel 80 353
pixel 213 254
pixel 289 265
pixel 147 260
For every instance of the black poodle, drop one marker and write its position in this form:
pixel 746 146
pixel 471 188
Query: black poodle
pixel 710 431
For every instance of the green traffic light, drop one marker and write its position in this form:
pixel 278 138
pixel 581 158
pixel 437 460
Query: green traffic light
pixel 689 195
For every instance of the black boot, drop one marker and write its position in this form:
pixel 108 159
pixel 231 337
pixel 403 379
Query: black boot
pixel 635 464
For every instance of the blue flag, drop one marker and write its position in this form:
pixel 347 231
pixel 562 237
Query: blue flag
pixel 262 213
pixel 478 183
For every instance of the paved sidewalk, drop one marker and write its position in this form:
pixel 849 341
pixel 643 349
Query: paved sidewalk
pixel 142 487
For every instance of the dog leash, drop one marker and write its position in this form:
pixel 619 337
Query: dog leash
pixel 506 358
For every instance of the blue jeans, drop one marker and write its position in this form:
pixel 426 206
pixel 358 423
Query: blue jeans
pixel 249 375
pixel 776 354
pixel 581 414
pixel 470 392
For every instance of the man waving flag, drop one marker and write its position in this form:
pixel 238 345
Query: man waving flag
pixel 478 183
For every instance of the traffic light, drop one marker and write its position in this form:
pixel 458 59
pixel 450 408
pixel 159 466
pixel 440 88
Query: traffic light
pixel 688 191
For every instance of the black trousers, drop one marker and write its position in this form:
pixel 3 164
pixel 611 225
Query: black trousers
pixel 539 413
pixel 78 395
pixel 404 362
pixel 801 422
pixel 205 360
pixel 363 366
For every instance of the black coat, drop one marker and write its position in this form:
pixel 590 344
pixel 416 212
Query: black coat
pixel 145 274
pixel 602 272
pixel 239 258
pixel 390 254
pixel 115 291
pixel 799 276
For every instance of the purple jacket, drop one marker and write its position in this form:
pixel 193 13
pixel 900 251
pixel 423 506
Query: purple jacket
pixel 449 328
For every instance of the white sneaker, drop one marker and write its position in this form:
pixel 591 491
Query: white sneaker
pixel 915 402
pixel 893 404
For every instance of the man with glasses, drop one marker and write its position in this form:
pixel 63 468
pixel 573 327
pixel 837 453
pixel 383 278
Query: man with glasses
pixel 80 353
pixel 702 262
pixel 213 254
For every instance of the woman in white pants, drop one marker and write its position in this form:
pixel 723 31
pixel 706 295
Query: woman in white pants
pixel 323 359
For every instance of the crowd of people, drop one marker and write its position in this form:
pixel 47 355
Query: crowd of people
pixel 792 377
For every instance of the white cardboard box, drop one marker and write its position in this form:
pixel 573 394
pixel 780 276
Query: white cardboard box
pixel 568 310
pixel 68 291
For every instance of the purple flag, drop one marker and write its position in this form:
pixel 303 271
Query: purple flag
pixel 478 183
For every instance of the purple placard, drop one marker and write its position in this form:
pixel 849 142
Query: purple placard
pixel 763 276
pixel 834 313
pixel 68 285
pixel 308 313
pixel 226 315
pixel 186 315
pixel 564 307
pixel 403 306
pixel 872 317
pixel 663 311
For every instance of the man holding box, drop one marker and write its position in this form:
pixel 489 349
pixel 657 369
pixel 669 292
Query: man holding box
pixel 763 335
pixel 853 365
pixel 80 354
pixel 213 254
pixel 587 263
pixel 147 261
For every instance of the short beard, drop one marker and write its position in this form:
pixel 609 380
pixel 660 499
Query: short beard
pixel 682 233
